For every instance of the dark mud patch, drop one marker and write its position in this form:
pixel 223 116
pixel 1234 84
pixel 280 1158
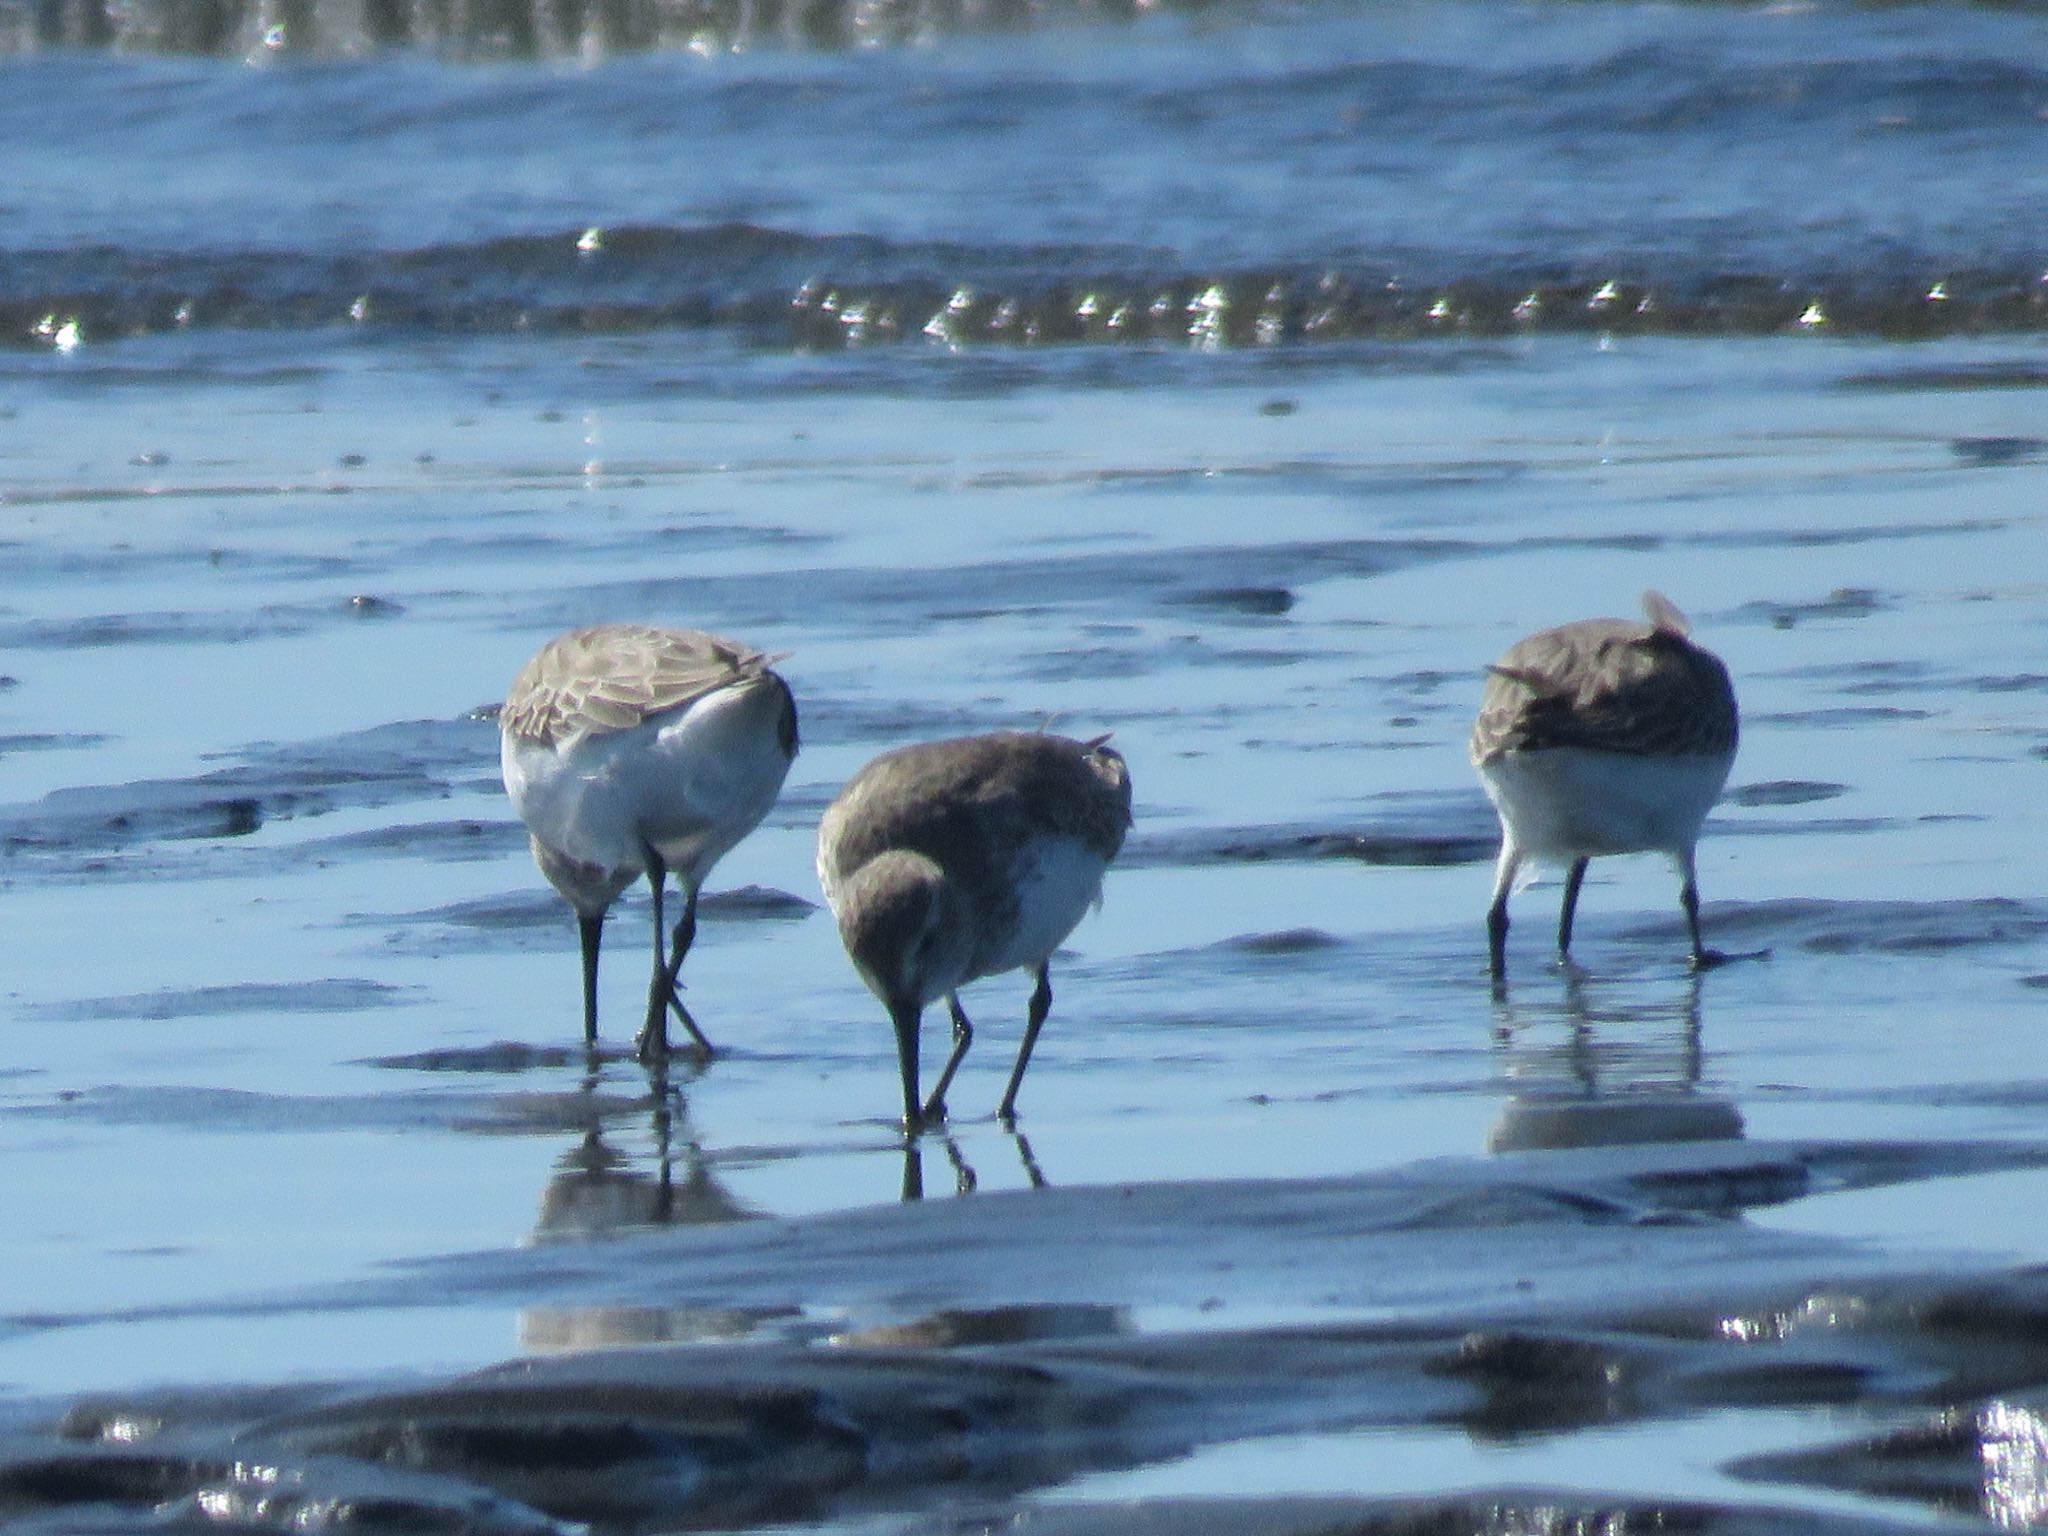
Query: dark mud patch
pixel 2015 374
pixel 1526 1231
pixel 1487 1512
pixel 1514 1296
pixel 1307 958
pixel 899 599
pixel 1803 826
pixel 448 842
pixel 625 1439
pixel 1146 656
pixel 2009 1094
pixel 1850 715
pixel 1446 830
pixel 504 917
pixel 499 1058
pixel 570 1111
pixel 1977 1453
pixel 382 766
pixel 50 741
pixel 1289 941
pixel 1871 675
pixel 1842 603
pixel 1785 792
pixel 231 1110
pixel 1239 601
pixel 274 621
pixel 1881 927
pixel 538 919
pixel 332 994
pixel 2012 682
pixel 1976 1461
pixel 1997 452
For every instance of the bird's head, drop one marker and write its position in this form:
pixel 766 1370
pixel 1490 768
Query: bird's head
pixel 905 930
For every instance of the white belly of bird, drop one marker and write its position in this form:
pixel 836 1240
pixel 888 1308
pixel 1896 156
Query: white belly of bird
pixel 1567 803
pixel 692 783
pixel 1057 880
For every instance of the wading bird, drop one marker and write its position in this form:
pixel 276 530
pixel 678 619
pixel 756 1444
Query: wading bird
pixel 954 860
pixel 1603 736
pixel 629 751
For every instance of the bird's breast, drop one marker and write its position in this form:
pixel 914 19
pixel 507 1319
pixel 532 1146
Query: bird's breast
pixel 1051 884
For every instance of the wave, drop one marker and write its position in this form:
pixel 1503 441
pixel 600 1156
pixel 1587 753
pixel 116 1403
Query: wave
pixel 528 29
pixel 588 29
pixel 781 288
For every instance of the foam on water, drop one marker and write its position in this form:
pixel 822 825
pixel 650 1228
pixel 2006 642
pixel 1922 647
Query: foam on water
pixel 1247 178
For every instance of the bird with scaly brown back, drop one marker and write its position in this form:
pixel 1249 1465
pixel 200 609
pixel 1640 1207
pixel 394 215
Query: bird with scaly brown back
pixel 1598 737
pixel 628 751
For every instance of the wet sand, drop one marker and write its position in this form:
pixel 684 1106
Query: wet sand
pixel 1302 1229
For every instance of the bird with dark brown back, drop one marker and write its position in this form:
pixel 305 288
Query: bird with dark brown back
pixel 954 860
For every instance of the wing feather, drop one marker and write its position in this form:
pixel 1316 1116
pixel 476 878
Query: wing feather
pixel 612 677
pixel 1634 688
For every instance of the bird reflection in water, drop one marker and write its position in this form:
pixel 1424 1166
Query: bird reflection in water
pixel 596 1190
pixel 965 1180
pixel 961 1327
pixel 1623 1073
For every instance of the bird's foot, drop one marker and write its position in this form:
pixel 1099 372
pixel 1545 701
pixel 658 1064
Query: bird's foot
pixel 651 1045
pixel 700 1044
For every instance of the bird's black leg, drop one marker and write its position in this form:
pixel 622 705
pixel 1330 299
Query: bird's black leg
pixel 591 931
pixel 1573 879
pixel 963 1036
pixel 653 1041
pixel 685 935
pixel 1041 1005
pixel 906 1022
pixel 1497 914
pixel 1703 959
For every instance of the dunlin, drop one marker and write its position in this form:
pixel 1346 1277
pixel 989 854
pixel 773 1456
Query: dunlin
pixel 954 860
pixel 1603 736
pixel 630 751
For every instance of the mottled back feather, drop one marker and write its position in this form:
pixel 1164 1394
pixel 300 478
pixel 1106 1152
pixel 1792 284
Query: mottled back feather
pixel 1633 688
pixel 611 677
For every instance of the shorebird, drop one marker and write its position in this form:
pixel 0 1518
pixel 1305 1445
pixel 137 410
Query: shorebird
pixel 954 860
pixel 630 751
pixel 1603 736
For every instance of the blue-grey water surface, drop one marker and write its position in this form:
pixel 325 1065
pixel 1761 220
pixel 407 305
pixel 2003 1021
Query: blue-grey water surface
pixel 353 351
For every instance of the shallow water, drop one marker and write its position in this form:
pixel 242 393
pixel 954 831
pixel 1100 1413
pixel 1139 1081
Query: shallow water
pixel 295 1022
pixel 380 368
